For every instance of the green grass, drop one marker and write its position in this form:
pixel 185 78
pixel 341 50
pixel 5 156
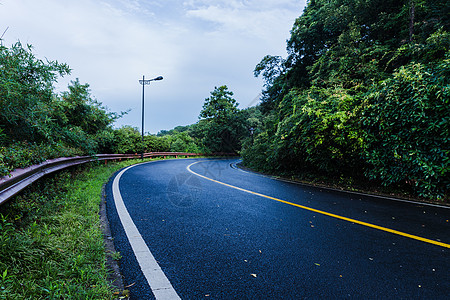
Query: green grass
pixel 51 242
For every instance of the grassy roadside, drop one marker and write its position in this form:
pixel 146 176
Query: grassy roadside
pixel 51 241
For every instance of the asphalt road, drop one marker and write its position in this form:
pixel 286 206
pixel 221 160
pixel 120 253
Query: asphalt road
pixel 214 241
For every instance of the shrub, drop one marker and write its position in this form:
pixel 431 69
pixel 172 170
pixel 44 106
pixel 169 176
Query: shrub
pixel 407 124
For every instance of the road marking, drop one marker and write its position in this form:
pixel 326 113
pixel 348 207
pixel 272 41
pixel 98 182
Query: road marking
pixel 324 212
pixel 157 280
pixel 340 190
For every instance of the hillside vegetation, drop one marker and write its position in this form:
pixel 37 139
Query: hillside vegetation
pixel 363 94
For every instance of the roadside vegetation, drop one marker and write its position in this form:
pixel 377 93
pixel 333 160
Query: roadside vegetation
pixel 363 95
pixel 361 101
pixel 51 241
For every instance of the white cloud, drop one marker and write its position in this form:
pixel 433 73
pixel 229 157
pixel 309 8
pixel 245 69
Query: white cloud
pixel 257 19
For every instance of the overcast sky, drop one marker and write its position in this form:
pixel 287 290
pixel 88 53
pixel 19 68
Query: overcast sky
pixel 194 44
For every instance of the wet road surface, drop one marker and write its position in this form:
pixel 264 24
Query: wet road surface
pixel 214 238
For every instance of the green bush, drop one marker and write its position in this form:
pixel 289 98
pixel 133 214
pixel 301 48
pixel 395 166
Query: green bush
pixel 157 144
pixel 36 123
pixel 128 140
pixel 24 154
pixel 363 94
pixel 407 123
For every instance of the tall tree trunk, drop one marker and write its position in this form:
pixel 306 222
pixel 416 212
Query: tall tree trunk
pixel 411 20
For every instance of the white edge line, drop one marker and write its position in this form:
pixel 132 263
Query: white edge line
pixel 157 280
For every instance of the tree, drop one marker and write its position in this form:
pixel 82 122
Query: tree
pixel 153 143
pixel 273 70
pixel 407 129
pixel 84 111
pixel 36 123
pixel 220 106
pixel 28 104
pixel 221 126
pixel 182 142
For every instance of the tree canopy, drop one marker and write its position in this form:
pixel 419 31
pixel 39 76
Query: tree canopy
pixel 221 126
pixel 36 123
pixel 362 93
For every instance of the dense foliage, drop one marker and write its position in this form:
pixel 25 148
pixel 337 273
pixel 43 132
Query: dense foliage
pixel 363 93
pixel 182 139
pixel 222 126
pixel 36 123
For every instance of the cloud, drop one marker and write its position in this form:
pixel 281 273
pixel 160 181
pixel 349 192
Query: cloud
pixel 257 19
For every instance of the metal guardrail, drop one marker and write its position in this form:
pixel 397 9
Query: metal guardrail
pixel 21 178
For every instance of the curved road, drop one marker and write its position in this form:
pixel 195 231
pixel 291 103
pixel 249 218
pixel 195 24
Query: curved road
pixel 200 228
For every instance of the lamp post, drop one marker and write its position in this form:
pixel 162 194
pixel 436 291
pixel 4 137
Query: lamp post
pixel 144 83
pixel 252 130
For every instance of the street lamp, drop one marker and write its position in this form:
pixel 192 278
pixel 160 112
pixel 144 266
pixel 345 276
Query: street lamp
pixel 144 83
pixel 252 130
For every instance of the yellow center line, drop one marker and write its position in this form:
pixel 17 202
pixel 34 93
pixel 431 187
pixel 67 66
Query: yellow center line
pixel 324 212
